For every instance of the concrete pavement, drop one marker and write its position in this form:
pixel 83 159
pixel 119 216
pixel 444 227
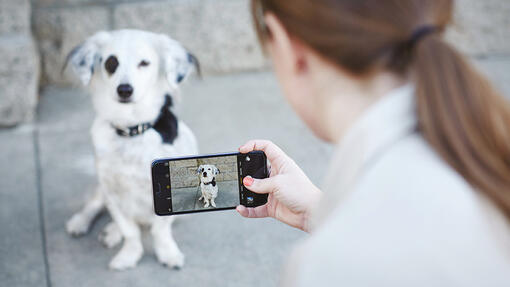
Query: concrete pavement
pixel 187 198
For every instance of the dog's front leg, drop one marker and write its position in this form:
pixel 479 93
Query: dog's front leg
pixel 81 221
pixel 202 196
pixel 132 249
pixel 212 202
pixel 165 247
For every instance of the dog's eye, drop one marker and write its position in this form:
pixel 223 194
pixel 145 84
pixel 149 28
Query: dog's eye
pixel 111 64
pixel 143 63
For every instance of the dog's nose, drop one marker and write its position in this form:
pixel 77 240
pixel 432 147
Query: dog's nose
pixel 204 174
pixel 125 91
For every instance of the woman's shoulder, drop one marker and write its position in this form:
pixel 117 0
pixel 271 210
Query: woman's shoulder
pixel 413 179
pixel 413 167
pixel 411 220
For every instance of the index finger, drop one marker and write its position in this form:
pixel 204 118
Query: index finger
pixel 257 212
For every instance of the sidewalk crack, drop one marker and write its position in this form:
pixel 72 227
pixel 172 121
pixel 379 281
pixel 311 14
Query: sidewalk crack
pixel 37 159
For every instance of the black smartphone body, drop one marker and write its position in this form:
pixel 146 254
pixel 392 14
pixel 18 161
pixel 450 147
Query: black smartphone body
pixel 206 183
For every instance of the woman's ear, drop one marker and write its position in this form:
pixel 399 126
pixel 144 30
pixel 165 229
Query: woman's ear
pixel 288 51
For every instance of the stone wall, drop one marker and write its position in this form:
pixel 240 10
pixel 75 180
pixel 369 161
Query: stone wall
pixel 19 68
pixel 184 173
pixel 220 32
pixel 481 27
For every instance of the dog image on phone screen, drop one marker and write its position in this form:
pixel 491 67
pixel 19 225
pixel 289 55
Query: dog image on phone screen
pixel 133 78
pixel 208 186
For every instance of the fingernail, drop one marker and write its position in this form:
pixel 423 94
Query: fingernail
pixel 248 181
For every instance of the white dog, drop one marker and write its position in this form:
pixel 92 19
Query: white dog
pixel 208 185
pixel 133 78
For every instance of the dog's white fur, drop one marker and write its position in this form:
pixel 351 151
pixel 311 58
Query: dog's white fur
pixel 208 185
pixel 123 163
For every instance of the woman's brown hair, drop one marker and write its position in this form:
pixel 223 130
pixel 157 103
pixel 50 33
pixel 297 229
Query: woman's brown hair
pixel 459 113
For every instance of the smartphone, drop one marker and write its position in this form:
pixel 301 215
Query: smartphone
pixel 206 183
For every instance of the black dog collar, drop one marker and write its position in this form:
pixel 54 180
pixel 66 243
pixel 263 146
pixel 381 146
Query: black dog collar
pixel 132 131
pixel 166 124
pixel 213 182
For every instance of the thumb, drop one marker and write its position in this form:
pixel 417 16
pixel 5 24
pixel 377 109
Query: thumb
pixel 261 186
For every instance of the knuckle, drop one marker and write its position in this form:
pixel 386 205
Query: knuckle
pixel 270 144
pixel 264 143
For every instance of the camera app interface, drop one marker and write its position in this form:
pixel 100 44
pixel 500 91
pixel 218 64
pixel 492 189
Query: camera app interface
pixel 204 183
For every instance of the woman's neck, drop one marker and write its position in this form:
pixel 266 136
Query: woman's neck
pixel 345 98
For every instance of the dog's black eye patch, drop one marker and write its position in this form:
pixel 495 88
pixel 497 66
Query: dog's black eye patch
pixel 111 64
pixel 143 63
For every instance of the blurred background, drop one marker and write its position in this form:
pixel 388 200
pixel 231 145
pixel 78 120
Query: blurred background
pixel 47 165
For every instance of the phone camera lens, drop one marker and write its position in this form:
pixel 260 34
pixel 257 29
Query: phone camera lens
pixel 247 158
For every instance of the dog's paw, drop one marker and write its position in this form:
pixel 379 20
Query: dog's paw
pixel 213 203
pixel 77 225
pixel 128 256
pixel 170 257
pixel 110 236
pixel 206 204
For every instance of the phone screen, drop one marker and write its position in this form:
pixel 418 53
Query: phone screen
pixel 206 183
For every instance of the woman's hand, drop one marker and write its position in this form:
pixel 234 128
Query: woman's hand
pixel 291 194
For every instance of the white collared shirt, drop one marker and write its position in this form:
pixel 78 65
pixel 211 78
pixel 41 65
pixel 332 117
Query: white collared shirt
pixel 395 214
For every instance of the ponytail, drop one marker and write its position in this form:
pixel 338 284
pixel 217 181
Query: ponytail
pixel 464 119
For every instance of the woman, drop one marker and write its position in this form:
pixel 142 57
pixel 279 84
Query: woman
pixel 418 192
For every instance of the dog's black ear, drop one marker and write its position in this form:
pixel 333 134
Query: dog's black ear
pixel 193 61
pixel 83 58
pixel 217 171
pixel 178 63
pixel 200 169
